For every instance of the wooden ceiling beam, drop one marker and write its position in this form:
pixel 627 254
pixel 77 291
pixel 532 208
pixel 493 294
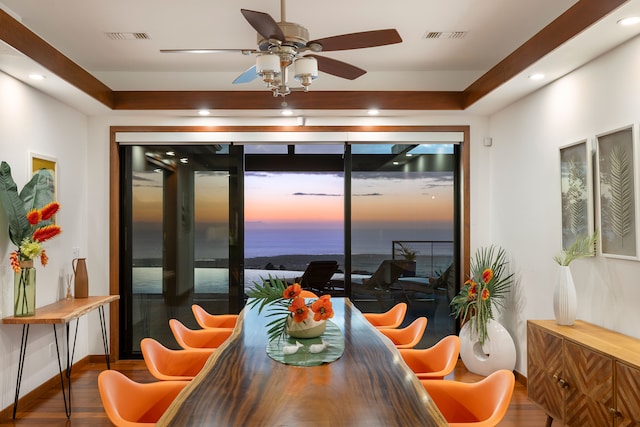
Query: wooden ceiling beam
pixel 22 39
pixel 576 19
pixel 263 100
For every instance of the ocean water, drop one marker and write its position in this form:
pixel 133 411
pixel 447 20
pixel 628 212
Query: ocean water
pixel 289 249
pixel 211 240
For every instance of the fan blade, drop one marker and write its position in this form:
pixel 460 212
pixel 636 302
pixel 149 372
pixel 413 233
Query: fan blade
pixel 358 40
pixel 242 51
pixel 246 77
pixel 338 68
pixel 263 24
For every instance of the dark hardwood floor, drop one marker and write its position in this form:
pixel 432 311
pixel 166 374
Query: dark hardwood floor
pixel 48 410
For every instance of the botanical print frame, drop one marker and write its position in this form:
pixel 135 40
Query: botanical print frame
pixel 576 190
pixel 617 196
pixel 39 161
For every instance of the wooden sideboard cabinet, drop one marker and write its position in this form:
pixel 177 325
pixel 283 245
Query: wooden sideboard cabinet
pixel 583 375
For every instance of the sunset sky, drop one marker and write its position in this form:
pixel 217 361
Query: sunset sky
pixel 311 197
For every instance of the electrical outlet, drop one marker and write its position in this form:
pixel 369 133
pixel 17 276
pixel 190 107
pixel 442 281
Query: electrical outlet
pixel 51 349
pixel 76 252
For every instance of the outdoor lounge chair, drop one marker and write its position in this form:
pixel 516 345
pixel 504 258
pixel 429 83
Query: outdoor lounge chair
pixel 387 273
pixel 382 285
pixel 317 276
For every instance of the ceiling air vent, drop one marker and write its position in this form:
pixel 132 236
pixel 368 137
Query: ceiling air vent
pixel 128 36
pixel 445 35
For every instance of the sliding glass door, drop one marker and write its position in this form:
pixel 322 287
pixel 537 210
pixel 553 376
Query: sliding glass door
pixel 179 222
pixel 402 231
pixel 201 224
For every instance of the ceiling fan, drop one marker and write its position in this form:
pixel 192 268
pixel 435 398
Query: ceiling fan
pixel 284 45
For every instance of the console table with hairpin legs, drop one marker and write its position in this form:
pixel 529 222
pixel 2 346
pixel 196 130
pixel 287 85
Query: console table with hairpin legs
pixel 61 312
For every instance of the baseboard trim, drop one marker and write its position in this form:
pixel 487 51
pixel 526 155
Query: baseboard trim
pixel 31 397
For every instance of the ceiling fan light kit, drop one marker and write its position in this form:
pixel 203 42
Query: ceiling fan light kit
pixel 283 44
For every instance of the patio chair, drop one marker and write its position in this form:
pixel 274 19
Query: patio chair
pixel 317 276
pixel 387 273
pixel 382 286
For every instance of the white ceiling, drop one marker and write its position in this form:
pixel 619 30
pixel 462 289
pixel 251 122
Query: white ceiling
pixel 493 29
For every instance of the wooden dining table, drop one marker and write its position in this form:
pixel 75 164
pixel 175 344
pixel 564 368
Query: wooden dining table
pixel 369 385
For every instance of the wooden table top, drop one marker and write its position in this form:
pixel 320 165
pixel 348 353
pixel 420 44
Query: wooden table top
pixel 370 385
pixel 62 311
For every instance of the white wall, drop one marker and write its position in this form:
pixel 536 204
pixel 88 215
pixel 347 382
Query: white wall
pixel 33 122
pixel 525 192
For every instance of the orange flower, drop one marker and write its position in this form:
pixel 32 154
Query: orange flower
pixel 49 210
pixel 15 264
pixel 44 259
pixel 473 289
pixel 299 309
pixel 292 291
pixel 34 217
pixel 487 275
pixel 45 233
pixel 322 308
pixel 485 294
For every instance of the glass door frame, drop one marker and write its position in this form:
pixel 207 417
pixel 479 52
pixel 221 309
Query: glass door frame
pixel 118 135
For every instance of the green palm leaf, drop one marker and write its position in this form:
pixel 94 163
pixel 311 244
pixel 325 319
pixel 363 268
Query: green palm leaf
pixel 621 189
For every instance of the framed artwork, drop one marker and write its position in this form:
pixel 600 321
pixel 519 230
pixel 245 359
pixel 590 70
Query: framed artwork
pixel 576 189
pixel 38 161
pixel 617 194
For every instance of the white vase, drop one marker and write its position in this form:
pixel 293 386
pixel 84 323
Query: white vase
pixel 498 351
pixel 308 328
pixel 565 303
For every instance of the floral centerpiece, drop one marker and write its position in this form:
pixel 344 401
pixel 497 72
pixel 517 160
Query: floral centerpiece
pixel 484 291
pixel 289 310
pixel 30 216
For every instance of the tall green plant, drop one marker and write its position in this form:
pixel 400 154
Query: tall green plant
pixel 34 195
pixel 487 286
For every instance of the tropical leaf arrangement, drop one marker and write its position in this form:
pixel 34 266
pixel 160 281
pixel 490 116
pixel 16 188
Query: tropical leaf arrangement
pixel 284 302
pixel 485 291
pixel 582 247
pixel 30 214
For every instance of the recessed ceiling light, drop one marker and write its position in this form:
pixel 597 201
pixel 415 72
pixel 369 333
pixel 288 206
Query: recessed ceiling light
pixel 630 20
pixel 204 112
pixel 396 163
pixel 35 76
pixel 184 160
pixel 536 76
pixel 409 155
pixel 287 112
pixel 170 153
pixel 373 112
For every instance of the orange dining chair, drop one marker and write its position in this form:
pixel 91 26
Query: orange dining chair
pixel 389 319
pixel 409 336
pixel 208 320
pixel 173 365
pixel 198 338
pixel 434 362
pixel 308 294
pixel 480 404
pixel 129 403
